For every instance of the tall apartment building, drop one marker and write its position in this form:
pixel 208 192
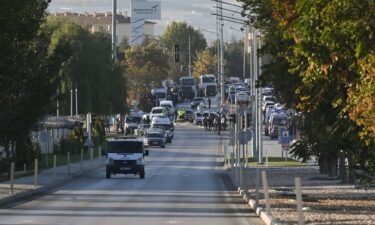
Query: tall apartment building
pixel 102 22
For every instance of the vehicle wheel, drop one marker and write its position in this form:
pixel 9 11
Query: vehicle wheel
pixel 163 146
pixel 108 174
pixel 142 175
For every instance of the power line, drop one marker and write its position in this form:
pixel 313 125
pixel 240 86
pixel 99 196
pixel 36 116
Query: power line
pixel 227 3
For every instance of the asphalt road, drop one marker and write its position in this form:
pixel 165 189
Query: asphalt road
pixel 185 184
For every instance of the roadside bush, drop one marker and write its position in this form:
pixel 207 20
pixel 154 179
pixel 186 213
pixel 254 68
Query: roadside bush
pixel 26 152
pixel 76 138
pixel 98 132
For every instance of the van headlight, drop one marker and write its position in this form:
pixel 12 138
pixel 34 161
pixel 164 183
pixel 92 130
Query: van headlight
pixel 110 161
pixel 140 161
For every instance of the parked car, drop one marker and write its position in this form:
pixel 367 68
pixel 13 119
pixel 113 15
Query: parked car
pixel 189 115
pixel 198 119
pixel 154 139
pixel 196 101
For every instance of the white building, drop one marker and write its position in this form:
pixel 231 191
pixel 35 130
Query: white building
pixel 102 22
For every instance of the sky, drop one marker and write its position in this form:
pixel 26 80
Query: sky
pixel 196 13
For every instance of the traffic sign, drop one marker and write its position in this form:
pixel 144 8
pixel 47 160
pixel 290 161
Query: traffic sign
pixel 284 136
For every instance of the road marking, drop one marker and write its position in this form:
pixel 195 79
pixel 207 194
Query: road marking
pixel 172 222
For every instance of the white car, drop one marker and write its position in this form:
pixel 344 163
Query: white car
pixel 267 103
pixel 158 112
pixel 198 118
pixel 242 97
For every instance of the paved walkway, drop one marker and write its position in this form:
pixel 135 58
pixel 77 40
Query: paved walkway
pixel 47 180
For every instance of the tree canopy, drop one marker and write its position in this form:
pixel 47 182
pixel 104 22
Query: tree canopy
pixel 146 66
pixel 100 82
pixel 323 60
pixel 178 33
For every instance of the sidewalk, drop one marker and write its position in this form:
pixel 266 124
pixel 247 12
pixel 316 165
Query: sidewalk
pixel 24 186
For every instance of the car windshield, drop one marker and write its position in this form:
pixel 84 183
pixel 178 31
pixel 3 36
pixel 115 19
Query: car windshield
pixel 154 135
pixel 198 115
pixel 125 147
pixel 133 119
pixel 197 99
pixel 157 111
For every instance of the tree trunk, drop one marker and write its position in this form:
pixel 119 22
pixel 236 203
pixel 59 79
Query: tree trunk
pixel 332 166
pixel 351 167
pixel 323 165
pixel 342 168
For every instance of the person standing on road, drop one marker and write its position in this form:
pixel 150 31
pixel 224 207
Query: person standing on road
pixel 175 116
pixel 209 103
pixel 219 124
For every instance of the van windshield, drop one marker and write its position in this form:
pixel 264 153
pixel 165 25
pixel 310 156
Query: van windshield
pixel 189 82
pixel 125 147
pixel 160 95
pixel 166 106
pixel 208 79
pixel 281 121
pixel 133 119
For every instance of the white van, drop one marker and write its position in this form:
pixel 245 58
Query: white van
pixel 167 104
pixel 165 123
pixel 160 94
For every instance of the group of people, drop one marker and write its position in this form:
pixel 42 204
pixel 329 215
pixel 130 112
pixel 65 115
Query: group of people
pixel 215 122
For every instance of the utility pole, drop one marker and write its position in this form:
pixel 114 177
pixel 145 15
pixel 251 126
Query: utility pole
pixel 114 45
pixel 218 42
pixel 260 121
pixel 221 55
pixel 76 99
pixel 57 103
pixel 244 53
pixel 71 99
pixel 189 57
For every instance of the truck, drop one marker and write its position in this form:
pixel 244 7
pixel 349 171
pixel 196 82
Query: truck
pixel 206 80
pixel 188 89
pixel 125 156
pixel 132 122
pixel 159 94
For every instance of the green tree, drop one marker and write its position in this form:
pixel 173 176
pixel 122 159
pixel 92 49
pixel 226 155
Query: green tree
pixel 177 33
pixel 28 71
pixel 325 47
pixel 146 66
pixel 234 59
pixel 100 82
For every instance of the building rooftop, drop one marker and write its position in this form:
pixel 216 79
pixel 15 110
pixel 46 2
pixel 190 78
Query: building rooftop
pixel 96 18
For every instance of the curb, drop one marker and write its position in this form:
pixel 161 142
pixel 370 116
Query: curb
pixel 25 195
pixel 264 216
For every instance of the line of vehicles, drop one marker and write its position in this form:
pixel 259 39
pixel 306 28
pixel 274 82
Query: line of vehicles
pixel 125 155
pixel 185 89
